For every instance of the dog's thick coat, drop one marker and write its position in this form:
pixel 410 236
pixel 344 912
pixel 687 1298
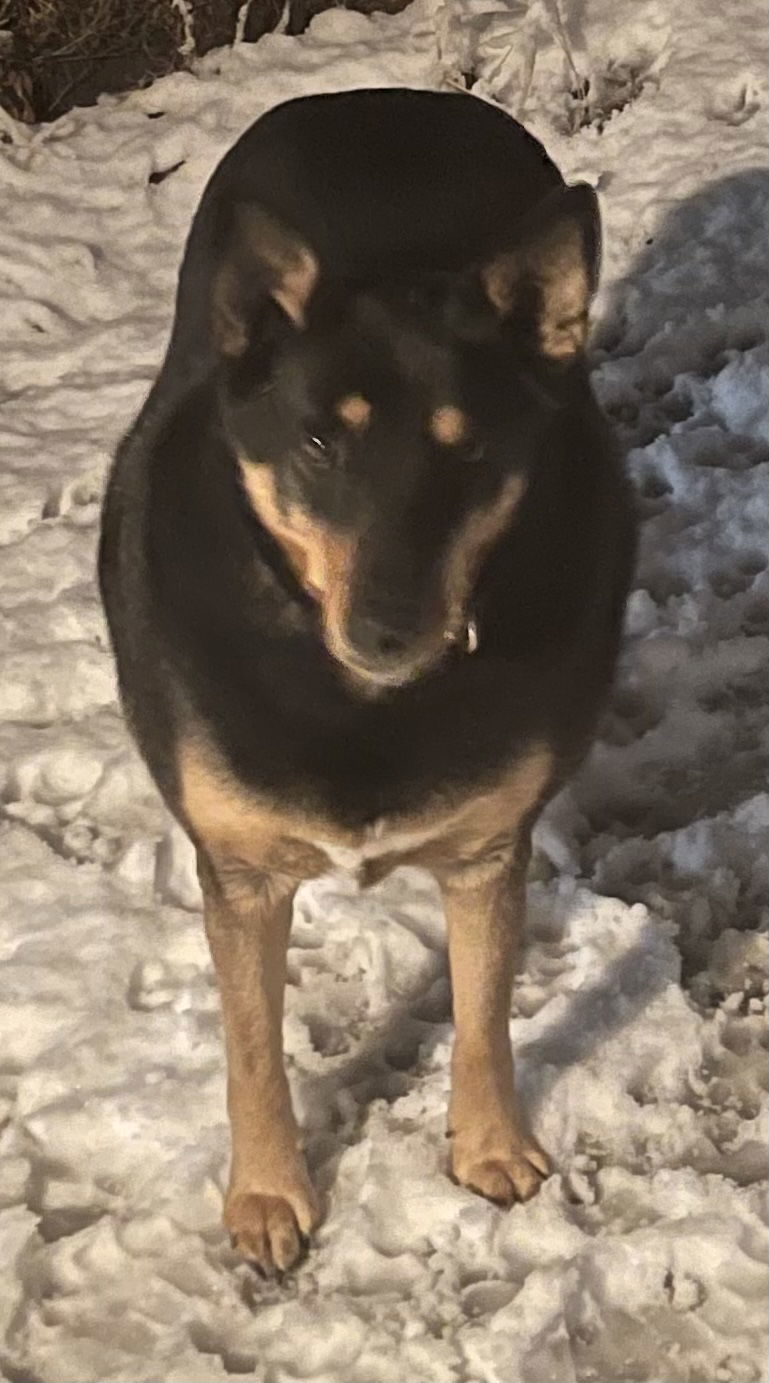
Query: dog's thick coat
pixel 371 446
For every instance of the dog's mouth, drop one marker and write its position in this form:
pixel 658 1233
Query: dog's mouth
pixel 380 674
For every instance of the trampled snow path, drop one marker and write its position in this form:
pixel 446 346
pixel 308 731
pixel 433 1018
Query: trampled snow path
pixel 640 1013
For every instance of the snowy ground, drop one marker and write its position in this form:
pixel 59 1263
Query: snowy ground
pixel 639 1017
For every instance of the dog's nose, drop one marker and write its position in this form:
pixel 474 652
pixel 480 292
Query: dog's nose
pixel 376 639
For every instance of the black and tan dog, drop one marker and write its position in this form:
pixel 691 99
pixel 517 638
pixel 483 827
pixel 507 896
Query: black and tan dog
pixel 364 559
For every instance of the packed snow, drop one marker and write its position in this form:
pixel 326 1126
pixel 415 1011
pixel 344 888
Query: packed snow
pixel 639 1017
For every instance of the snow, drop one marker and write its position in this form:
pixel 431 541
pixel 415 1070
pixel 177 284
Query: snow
pixel 639 1014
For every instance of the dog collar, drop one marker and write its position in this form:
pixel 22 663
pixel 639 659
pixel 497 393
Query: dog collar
pixel 466 641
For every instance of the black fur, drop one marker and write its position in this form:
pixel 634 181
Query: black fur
pixel 401 195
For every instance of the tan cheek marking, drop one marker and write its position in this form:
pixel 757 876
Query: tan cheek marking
pixel 259 483
pixel 474 540
pixel 321 559
pixel 334 561
pixel 292 529
pixel 286 526
pixel 354 411
pixel 448 425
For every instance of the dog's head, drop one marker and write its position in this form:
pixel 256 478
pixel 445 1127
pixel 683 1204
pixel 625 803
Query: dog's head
pixel 386 432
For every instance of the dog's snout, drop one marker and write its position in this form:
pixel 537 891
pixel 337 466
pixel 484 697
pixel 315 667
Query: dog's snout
pixel 378 638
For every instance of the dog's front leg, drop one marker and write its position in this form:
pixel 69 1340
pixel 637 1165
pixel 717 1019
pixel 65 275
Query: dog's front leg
pixel 270 1203
pixel 492 1152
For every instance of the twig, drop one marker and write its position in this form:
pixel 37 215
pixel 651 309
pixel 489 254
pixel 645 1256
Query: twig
pixel 560 30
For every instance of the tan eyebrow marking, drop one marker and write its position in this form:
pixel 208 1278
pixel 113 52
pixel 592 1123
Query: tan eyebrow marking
pixel 355 411
pixel 448 425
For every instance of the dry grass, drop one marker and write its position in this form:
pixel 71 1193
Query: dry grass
pixel 55 54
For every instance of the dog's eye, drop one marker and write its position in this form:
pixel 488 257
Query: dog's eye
pixel 319 449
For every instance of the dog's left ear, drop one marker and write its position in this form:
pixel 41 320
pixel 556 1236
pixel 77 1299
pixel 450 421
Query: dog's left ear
pixel 263 259
pixel 552 270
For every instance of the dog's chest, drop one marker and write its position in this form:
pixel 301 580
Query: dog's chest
pixel 383 839
pixel 237 826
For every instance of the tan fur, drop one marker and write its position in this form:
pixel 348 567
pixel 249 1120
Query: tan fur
pixel 228 328
pixel 323 559
pixel 250 865
pixel 471 853
pixel 252 855
pixel 557 266
pixel 485 903
pixel 289 266
pixel 453 838
pixel 290 263
pixel 296 286
pixel 492 1150
pixel 270 1200
pixel 458 840
pixel 354 411
pixel 320 558
pixel 449 426
pixel 234 825
pixel 477 535
pixel 562 275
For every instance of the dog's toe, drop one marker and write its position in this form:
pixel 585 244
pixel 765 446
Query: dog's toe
pixel 265 1231
pixel 505 1182
pixel 509 1174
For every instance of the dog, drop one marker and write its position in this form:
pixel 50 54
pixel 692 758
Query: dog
pixel 364 560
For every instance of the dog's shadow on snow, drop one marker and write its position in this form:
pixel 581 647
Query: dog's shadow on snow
pixel 692 295
pixel 703 262
pixel 591 1016
pixel 690 304
pixel 398 1046
pixel 398 1049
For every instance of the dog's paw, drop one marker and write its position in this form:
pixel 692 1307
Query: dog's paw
pixel 271 1231
pixel 505 1169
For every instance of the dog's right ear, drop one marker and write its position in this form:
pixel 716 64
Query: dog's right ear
pixel 263 259
pixel 556 259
